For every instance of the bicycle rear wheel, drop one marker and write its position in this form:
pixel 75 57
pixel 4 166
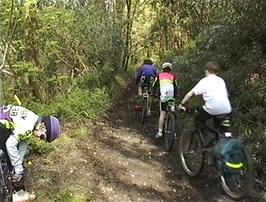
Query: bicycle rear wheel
pixel 190 153
pixel 169 135
pixel 239 183
pixel 144 110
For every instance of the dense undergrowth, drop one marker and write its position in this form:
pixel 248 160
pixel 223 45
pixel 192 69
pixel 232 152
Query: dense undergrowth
pixel 85 103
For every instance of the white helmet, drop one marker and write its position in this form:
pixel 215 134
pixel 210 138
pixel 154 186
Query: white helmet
pixel 167 64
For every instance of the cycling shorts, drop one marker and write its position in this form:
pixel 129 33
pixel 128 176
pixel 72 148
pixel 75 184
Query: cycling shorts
pixel 163 106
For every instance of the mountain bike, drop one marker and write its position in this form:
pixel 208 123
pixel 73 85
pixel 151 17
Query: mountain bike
pixel 6 185
pixel 146 101
pixel 145 104
pixel 194 147
pixel 169 130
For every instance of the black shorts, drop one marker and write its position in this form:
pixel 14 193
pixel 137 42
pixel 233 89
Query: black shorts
pixel 202 117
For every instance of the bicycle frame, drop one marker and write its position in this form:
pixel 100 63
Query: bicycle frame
pixel 146 96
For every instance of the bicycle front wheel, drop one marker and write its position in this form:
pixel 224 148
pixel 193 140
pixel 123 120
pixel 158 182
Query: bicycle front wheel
pixel 239 183
pixel 190 153
pixel 169 137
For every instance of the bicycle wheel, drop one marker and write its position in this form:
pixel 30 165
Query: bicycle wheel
pixel 6 186
pixel 169 136
pixel 144 110
pixel 190 153
pixel 239 183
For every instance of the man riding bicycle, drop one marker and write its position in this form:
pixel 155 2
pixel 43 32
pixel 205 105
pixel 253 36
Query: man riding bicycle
pixel 215 95
pixel 17 125
pixel 146 75
pixel 166 83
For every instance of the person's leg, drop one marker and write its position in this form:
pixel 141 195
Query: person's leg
pixel 200 123
pixel 161 119
pixel 201 118
pixel 140 85
pixel 223 124
pixel 139 90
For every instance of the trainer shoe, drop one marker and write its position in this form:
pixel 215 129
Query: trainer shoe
pixel 23 196
pixel 159 135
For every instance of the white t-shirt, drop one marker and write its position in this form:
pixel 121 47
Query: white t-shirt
pixel 215 95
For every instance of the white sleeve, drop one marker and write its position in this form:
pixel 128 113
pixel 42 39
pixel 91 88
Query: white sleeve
pixel 13 153
pixel 200 87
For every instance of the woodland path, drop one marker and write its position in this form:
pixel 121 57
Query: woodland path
pixel 121 161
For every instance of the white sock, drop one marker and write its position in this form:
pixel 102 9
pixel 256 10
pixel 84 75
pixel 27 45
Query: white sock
pixel 228 134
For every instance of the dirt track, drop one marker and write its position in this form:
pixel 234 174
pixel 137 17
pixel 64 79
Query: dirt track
pixel 121 161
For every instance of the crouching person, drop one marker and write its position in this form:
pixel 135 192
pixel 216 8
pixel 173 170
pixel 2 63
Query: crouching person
pixel 17 124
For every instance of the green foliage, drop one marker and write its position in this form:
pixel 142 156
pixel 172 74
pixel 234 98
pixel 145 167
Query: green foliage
pixel 40 147
pixel 51 45
pixel 76 104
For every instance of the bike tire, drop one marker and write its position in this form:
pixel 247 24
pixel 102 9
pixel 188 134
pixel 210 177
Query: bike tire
pixel 6 187
pixel 169 135
pixel 190 153
pixel 246 186
pixel 144 110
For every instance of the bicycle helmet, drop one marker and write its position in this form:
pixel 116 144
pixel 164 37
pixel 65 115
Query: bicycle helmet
pixel 53 128
pixel 167 64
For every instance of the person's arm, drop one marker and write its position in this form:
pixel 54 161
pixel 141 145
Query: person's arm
pixel 156 84
pixel 13 153
pixel 187 97
pixel 175 87
pixel 155 71
pixel 199 89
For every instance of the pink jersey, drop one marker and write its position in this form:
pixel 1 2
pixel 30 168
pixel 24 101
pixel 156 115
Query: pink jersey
pixel 166 78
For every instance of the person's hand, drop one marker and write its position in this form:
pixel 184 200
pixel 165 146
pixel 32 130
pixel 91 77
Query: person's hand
pixel 182 107
pixel 16 177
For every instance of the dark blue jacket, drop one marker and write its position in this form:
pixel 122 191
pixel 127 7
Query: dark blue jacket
pixel 147 71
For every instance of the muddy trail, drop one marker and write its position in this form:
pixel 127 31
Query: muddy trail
pixel 122 161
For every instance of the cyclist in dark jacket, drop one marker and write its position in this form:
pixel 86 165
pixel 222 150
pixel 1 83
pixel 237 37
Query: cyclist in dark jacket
pixel 146 74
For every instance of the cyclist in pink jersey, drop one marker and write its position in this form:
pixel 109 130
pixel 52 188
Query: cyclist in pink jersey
pixel 166 82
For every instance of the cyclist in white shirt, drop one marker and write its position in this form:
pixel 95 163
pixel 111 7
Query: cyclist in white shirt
pixel 215 95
